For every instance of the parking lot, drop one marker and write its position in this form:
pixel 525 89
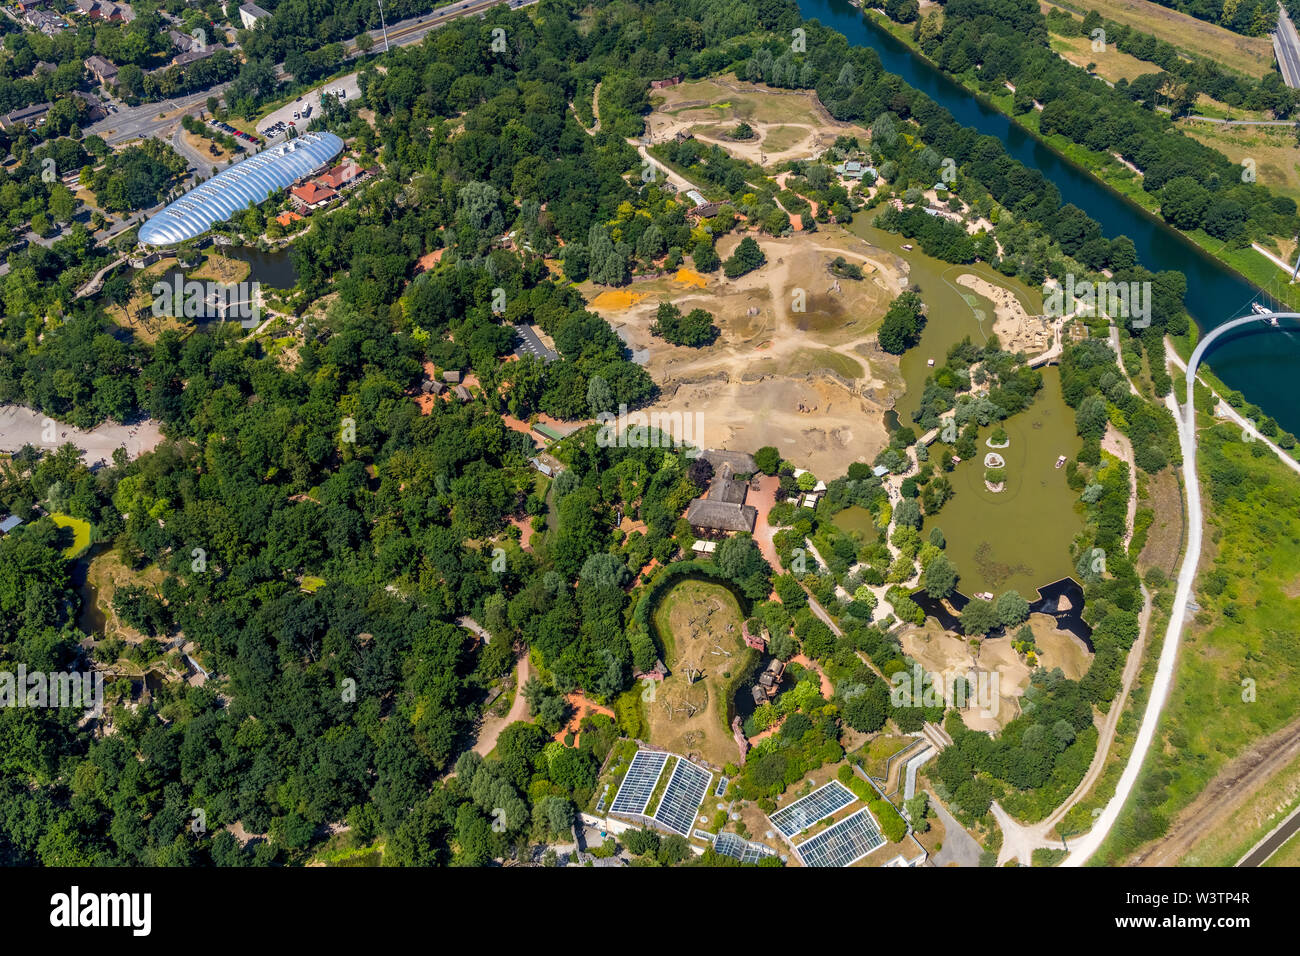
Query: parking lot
pixel 239 134
pixel 277 123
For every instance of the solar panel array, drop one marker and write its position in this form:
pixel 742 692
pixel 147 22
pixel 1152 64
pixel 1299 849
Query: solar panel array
pixel 740 849
pixel 842 844
pixel 639 782
pixel 818 805
pixel 683 797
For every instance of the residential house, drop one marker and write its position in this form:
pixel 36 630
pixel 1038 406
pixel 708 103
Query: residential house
pixel 94 111
pixel 103 71
pixel 190 56
pixel 25 118
pixel 181 41
pixel 45 22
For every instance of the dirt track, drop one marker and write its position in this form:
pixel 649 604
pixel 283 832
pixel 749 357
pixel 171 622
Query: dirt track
pixel 1223 797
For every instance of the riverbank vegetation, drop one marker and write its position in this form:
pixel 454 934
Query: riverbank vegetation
pixel 1001 50
pixel 1237 670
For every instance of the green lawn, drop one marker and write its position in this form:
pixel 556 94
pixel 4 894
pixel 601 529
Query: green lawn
pixel 1239 664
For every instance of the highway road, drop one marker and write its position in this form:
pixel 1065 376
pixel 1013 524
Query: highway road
pixel 1286 44
pixel 149 119
pixel 1087 844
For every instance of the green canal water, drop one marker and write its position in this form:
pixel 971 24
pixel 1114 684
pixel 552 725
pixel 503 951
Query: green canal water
pixel 859 523
pixel 953 312
pixel 1018 538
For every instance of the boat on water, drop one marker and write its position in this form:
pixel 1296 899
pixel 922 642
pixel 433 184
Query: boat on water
pixel 907 246
pixel 1060 461
pixel 1262 310
pixel 984 595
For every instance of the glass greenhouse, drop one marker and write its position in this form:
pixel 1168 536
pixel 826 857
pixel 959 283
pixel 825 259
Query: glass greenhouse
pixel 235 189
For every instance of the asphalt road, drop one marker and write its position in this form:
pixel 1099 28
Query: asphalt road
pixel 148 119
pixel 1287 46
pixel 1274 841
pixel 1087 844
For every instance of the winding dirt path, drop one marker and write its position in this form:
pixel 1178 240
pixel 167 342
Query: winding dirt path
pixel 491 727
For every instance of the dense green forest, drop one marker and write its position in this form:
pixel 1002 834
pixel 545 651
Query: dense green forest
pixel 1194 76
pixel 349 702
pixel 997 42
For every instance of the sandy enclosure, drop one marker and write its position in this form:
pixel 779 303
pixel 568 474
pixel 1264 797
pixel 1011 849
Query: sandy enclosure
pixel 1015 327
pixel 940 651
pixel 796 362
pixel 21 426
pixel 786 124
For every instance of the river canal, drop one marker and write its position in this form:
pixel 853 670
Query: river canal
pixel 1262 366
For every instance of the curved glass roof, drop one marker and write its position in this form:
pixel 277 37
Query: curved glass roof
pixel 235 189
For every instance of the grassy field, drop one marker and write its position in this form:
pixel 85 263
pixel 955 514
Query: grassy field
pixel 1288 855
pixel 1111 65
pixel 1277 161
pixel 1250 55
pixel 1240 657
pixel 80 533
pixel 1225 844
pixel 219 268
pixel 699 624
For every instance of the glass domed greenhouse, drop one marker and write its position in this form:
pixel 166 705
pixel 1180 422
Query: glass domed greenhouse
pixel 235 189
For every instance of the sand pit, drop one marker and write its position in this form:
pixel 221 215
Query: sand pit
pixel 787 124
pixel 796 364
pixel 942 652
pixel 617 299
pixel 1015 328
pixel 21 426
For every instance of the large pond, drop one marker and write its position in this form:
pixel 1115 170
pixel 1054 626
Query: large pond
pixel 953 312
pixel 857 522
pixel 1261 365
pixel 1018 538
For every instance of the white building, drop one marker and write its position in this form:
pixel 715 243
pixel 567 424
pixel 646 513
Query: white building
pixel 250 14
